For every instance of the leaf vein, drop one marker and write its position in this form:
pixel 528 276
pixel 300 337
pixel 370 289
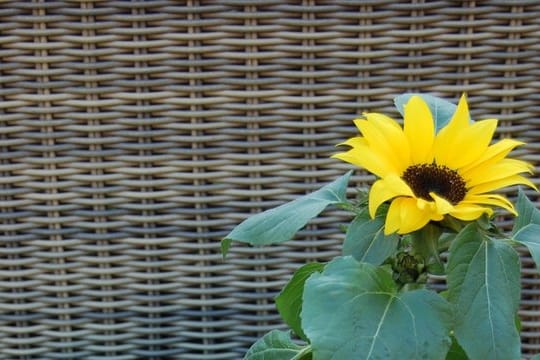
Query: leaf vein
pixel 379 326
pixel 488 298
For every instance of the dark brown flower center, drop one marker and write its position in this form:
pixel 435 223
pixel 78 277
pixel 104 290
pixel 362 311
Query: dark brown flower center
pixel 445 182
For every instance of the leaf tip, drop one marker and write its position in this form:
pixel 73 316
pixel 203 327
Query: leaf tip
pixel 225 246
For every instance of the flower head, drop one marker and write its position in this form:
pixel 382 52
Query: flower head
pixel 428 175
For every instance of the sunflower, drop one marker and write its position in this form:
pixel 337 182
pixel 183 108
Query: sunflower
pixel 428 175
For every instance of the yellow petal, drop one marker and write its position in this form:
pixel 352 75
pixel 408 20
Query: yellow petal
pixel 363 156
pixel 490 199
pixel 412 217
pixel 393 217
pixel 469 212
pixel 494 153
pixel 491 172
pixel 461 116
pixel 381 118
pixel 386 144
pixel 497 184
pixel 420 130
pixel 354 141
pixel 429 207
pixel 467 147
pixel 396 138
pixel 442 206
pixel 404 216
pixel 443 146
pixel 386 189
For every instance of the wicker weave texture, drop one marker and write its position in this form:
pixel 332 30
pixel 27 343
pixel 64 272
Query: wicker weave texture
pixel 135 134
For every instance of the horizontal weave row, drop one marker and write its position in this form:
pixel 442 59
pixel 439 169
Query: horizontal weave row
pixel 135 134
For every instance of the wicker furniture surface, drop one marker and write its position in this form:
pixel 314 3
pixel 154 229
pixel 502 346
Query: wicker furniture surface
pixel 135 134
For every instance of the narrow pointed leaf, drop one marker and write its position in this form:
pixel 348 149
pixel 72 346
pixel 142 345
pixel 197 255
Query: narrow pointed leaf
pixel 225 246
pixel 276 345
pixel 366 242
pixel 281 223
pixel 374 320
pixel 289 300
pixel 529 236
pixel 441 110
pixel 484 285
pixel 527 211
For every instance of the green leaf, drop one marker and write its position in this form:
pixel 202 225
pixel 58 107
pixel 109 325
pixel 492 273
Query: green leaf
pixel 517 321
pixel 225 246
pixel 289 300
pixel 536 357
pixel 281 223
pixel 353 310
pixel 529 236
pixel 366 242
pixel 441 110
pixel 527 212
pixel 484 285
pixel 456 352
pixel 276 345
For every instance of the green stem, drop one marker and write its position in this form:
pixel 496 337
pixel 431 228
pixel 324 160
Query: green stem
pixel 302 352
pixel 348 206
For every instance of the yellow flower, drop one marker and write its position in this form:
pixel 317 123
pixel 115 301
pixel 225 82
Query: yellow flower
pixel 429 175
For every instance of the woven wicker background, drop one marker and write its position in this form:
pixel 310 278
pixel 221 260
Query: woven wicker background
pixel 135 134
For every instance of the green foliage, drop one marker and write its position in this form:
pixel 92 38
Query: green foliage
pixel 528 213
pixel 408 270
pixel 529 236
pixel 526 229
pixel 277 345
pixel 484 286
pixel 353 310
pixel 289 301
pixel 280 224
pixel 425 243
pixel 225 246
pixel 372 302
pixel 365 240
pixel 456 352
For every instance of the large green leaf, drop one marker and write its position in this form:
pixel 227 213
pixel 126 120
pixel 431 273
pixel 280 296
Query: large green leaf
pixel 527 212
pixel 366 242
pixel 289 300
pixel 441 109
pixel 529 236
pixel 353 310
pixel 281 223
pixel 484 285
pixel 277 345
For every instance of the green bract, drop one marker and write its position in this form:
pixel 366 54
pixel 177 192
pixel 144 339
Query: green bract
pixel 375 301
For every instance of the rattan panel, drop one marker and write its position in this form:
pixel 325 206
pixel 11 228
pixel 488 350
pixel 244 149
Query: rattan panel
pixel 135 134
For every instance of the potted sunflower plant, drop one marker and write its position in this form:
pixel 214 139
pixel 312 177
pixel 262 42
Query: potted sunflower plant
pixel 430 211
